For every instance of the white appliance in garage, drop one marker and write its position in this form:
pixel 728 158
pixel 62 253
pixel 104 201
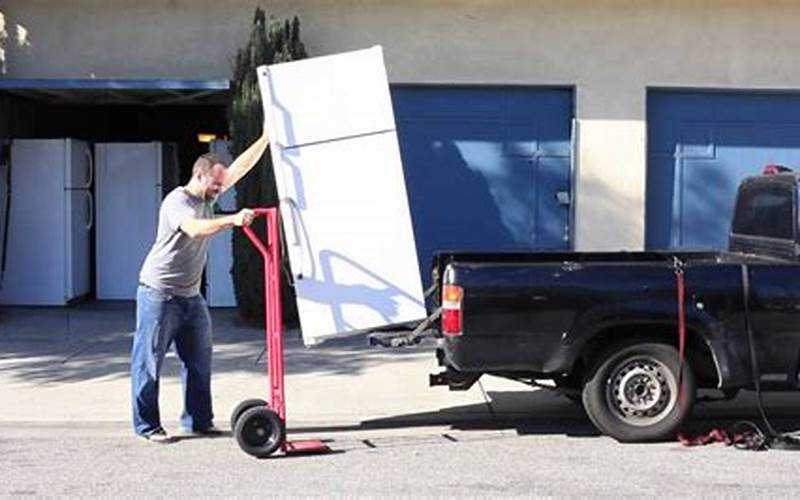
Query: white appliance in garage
pixel 128 193
pixel 219 281
pixel 50 222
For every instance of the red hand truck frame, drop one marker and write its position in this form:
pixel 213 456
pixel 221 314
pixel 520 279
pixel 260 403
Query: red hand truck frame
pixel 260 426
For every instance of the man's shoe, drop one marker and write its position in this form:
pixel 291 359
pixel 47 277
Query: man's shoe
pixel 210 431
pixel 158 436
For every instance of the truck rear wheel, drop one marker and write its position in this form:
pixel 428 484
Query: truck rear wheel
pixel 632 394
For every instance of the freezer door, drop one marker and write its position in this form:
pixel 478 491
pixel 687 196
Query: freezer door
pixel 37 258
pixel 128 195
pixel 345 208
pixel 331 97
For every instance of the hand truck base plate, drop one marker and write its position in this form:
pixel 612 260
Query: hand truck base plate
pixel 305 447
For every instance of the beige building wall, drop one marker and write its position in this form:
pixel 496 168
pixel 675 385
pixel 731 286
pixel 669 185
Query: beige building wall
pixel 611 51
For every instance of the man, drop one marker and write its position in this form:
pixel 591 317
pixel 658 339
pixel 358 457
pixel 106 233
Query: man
pixel 169 307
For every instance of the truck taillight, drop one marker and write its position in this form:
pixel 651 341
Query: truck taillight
pixel 452 296
pixel 773 169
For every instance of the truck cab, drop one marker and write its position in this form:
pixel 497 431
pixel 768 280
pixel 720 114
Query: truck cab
pixel 765 220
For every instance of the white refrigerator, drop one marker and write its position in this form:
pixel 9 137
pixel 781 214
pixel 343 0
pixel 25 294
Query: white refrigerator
pixel 219 281
pixel 128 193
pixel 343 196
pixel 50 221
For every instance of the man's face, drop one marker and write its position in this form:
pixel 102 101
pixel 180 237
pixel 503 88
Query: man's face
pixel 213 181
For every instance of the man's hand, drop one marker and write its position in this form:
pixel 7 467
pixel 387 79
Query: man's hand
pixel 244 217
pixel 206 227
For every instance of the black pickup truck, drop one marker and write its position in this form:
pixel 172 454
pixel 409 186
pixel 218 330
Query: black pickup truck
pixel 602 328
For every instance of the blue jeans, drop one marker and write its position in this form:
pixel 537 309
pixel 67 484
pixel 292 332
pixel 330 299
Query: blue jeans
pixel 162 319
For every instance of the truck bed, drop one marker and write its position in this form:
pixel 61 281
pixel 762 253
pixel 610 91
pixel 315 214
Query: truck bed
pixel 652 256
pixel 535 312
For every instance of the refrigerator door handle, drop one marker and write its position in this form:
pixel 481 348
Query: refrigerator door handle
pixel 295 217
pixel 90 205
pixel 90 179
pixel 293 208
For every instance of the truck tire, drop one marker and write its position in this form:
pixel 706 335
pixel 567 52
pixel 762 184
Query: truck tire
pixel 632 393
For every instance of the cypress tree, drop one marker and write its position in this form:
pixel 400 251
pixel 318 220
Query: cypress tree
pixel 271 41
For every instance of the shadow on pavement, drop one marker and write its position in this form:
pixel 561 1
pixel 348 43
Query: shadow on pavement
pixel 542 412
pixel 534 412
pixel 92 341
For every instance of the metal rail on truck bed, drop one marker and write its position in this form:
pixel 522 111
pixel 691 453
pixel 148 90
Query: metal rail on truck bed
pixel 405 338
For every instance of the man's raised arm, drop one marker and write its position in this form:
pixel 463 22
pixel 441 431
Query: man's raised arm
pixel 245 161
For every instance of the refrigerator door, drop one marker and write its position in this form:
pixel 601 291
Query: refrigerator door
pixel 344 203
pixel 219 281
pixel 36 261
pixel 79 213
pixel 127 195
pixel 227 201
pixel 5 184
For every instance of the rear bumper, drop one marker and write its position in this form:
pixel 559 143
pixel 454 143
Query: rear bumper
pixel 493 353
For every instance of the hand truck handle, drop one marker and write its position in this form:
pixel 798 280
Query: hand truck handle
pixel 272 219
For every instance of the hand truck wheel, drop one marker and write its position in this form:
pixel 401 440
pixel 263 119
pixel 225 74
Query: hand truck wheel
pixel 260 432
pixel 243 407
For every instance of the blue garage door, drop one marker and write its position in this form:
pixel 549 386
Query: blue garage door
pixel 486 168
pixel 701 145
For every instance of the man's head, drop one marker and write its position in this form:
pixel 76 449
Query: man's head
pixel 209 174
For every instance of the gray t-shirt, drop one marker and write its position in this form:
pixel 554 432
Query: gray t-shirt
pixel 176 261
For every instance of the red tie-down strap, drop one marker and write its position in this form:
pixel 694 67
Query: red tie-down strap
pixel 743 435
pixel 681 285
pixel 716 434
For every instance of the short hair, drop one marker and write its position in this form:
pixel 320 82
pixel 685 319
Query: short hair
pixel 205 162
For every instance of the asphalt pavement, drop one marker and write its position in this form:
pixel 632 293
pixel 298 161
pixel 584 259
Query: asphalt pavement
pixel 65 426
pixel 102 459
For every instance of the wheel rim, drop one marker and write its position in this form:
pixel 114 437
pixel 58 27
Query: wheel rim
pixel 257 431
pixel 641 390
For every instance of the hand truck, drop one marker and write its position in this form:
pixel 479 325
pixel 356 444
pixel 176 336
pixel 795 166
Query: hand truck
pixel 260 426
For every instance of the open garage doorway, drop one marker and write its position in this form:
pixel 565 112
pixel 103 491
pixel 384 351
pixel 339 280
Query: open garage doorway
pixel 168 122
